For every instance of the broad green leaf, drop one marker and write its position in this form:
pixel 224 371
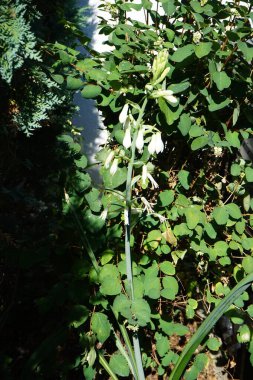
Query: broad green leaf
pixel 166 197
pixel 169 7
pixel 246 50
pixel 244 334
pixel 220 248
pixel 74 83
pixel 203 49
pixel 218 106
pixel 210 231
pixel 213 344
pixel 89 373
pixel 152 287
pixel 119 365
pixel 182 53
pixel 110 286
pixel 221 79
pixel 235 170
pixel 93 200
pixel 189 311
pixel 170 328
pixel 247 263
pixel 249 174
pixel 199 142
pixel 92 222
pixel 220 215
pixel 107 255
pixel 91 91
pixel 234 210
pixel 183 177
pixel 193 216
pixel 122 305
pixel 170 288
pixel 179 87
pixel 162 344
pixel 100 326
pixel 153 239
pixel 184 124
pixel 81 162
pixel 167 268
pixel 141 312
pixel 233 139
pixel 112 182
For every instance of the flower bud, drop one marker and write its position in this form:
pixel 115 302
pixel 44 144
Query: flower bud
pixel 114 166
pixel 123 114
pixel 127 138
pixel 159 64
pixel 140 140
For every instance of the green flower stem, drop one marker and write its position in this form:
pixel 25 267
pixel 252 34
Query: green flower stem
pixel 136 343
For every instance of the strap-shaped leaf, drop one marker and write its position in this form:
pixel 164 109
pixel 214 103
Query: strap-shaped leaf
pixel 207 325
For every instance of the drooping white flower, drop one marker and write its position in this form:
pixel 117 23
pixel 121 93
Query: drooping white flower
pixel 127 138
pixel 109 159
pixel 153 182
pixel 123 114
pixel 166 94
pixel 156 143
pixel 103 214
pixel 140 140
pixel 114 166
pixel 144 175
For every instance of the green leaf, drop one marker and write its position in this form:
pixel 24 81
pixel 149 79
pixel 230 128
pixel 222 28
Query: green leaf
pixel 244 334
pixel 247 264
pixel 221 79
pixel 100 326
pixel 183 177
pixel 89 373
pixel 184 124
pixel 107 255
pixel 141 311
pixel 112 182
pixel 91 91
pixel 199 142
pixel 182 53
pixel 210 231
pixel 235 170
pixel 233 210
pixel 110 286
pixel 122 305
pixel 82 162
pixel 170 328
pixel 167 268
pixel 233 139
pixel 193 216
pixel 170 288
pixel 152 287
pixel 247 243
pixel 179 87
pixel 93 200
pixel 220 215
pixel 74 83
pixel 166 197
pixel 203 49
pixel 246 50
pixel 213 344
pixel 119 365
pixel 162 344
pixel 218 106
pixel 249 174
pixel 169 7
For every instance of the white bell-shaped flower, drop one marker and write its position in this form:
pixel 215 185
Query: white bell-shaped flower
pixel 156 143
pixel 166 94
pixel 144 175
pixel 114 166
pixel 123 114
pixel 140 140
pixel 127 141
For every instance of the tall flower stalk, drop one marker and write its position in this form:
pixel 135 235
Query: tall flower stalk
pixel 127 213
